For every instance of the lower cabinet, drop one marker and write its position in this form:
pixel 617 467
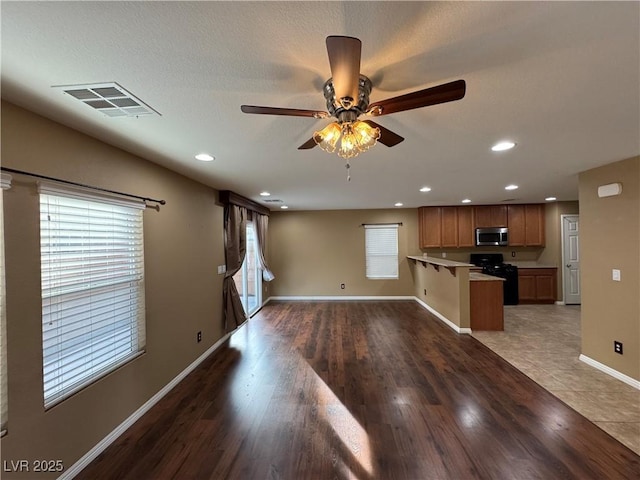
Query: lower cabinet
pixel 537 285
pixel 485 302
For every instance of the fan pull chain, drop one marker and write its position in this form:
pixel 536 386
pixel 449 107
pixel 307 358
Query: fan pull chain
pixel 348 165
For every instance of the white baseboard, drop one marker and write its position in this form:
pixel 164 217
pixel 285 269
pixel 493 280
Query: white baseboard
pixel 610 371
pixel 332 298
pixel 444 319
pixel 92 454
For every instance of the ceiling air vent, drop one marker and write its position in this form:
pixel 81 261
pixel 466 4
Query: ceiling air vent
pixel 272 200
pixel 109 98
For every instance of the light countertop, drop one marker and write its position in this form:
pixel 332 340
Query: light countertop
pixel 443 262
pixel 530 264
pixel 481 277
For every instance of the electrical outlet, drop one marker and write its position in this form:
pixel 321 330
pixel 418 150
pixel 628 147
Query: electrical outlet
pixel 617 347
pixel 513 254
pixel 199 337
pixel 342 286
pixel 615 275
pixel 444 254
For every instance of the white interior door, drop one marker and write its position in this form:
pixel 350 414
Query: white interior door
pixel 571 259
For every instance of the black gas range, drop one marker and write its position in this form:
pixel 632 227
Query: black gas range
pixel 493 264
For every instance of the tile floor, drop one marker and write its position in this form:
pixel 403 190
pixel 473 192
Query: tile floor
pixel 543 341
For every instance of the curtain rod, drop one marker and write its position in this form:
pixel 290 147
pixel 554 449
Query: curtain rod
pixel 376 224
pixel 144 199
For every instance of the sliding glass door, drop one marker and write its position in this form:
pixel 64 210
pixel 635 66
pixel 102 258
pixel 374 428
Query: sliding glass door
pixel 249 277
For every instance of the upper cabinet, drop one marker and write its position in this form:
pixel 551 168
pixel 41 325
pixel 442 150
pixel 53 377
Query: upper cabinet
pixel 526 225
pixel 446 227
pixel 466 229
pixel 490 216
pixel 429 228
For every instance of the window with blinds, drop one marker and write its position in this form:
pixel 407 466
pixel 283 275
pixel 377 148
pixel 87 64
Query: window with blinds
pixel 92 268
pixel 5 183
pixel 381 251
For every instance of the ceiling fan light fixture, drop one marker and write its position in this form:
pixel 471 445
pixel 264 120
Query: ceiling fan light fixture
pixel 354 137
pixel 366 135
pixel 328 137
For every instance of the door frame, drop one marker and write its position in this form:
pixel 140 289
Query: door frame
pixel 562 245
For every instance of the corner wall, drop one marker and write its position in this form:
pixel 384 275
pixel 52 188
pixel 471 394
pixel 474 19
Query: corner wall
pixel 610 239
pixel 183 245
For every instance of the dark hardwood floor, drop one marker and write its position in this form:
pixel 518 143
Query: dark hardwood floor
pixel 362 390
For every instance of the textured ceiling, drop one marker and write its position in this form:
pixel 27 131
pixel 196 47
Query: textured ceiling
pixel 560 79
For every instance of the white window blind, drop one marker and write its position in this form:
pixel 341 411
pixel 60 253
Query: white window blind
pixel 381 250
pixel 92 268
pixel 5 183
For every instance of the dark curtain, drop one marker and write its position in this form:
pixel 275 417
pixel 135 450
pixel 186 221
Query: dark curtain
pixel 261 223
pixel 235 232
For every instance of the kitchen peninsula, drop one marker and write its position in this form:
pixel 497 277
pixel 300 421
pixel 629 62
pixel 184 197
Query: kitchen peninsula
pixel 450 291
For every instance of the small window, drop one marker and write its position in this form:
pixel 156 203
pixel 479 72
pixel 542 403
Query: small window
pixel 381 249
pixel 92 269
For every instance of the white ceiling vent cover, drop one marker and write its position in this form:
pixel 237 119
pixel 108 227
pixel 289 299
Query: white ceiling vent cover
pixel 109 98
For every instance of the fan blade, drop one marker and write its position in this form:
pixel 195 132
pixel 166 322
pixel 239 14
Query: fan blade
pixel 387 137
pixel 292 112
pixel 308 144
pixel 447 92
pixel 344 59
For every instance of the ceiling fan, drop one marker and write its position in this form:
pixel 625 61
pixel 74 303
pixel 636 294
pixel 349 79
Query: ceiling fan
pixel 347 96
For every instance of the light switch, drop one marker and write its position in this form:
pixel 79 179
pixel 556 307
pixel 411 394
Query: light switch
pixel 222 269
pixel 615 274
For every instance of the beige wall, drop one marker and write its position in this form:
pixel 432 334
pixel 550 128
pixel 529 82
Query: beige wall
pixel 610 238
pixel 313 252
pixel 446 293
pixel 183 245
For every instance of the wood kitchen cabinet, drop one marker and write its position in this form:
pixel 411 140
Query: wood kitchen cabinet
pixel 537 285
pixel 526 225
pixel 445 227
pixel 486 304
pixel 466 232
pixel 449 226
pixel 490 216
pixel 429 227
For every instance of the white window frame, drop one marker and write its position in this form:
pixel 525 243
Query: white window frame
pixel 381 251
pixel 93 308
pixel 5 184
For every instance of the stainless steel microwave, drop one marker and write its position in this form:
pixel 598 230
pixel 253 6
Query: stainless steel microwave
pixel 492 236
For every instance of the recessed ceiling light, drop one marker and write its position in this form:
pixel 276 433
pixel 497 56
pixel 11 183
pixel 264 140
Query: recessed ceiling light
pixel 204 157
pixel 265 194
pixel 502 146
pixel 511 187
pixel 399 204
pixel 425 189
pixel 466 200
pixel 550 199
pixel 283 207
